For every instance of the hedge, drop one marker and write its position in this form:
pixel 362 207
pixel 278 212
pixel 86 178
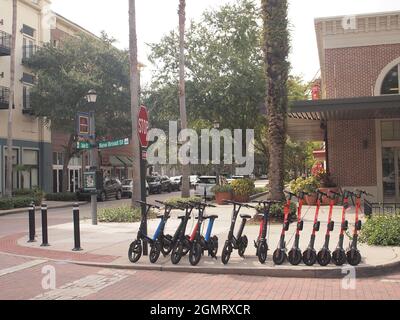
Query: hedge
pixel 122 214
pixel 381 230
pixel 66 196
pixel 18 202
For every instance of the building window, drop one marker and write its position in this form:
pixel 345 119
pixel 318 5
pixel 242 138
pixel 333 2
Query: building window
pixel 390 84
pixel 29 31
pixel 26 98
pixel 30 169
pixel 390 130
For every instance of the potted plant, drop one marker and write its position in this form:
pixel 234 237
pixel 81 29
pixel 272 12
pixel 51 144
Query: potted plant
pixel 308 185
pixel 242 189
pixel 327 185
pixel 222 192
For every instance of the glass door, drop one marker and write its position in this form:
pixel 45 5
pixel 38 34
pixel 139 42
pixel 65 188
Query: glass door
pixel 391 174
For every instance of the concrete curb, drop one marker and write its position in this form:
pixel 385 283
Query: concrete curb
pixel 22 210
pixel 255 196
pixel 276 272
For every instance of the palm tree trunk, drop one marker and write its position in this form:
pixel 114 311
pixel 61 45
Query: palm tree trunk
pixel 11 103
pixel 134 71
pixel 276 51
pixel 182 92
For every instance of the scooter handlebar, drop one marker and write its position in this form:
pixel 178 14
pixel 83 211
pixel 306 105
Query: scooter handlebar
pixel 147 204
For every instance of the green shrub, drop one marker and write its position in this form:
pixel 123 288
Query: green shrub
pixel 309 185
pixel 260 190
pixel 122 214
pixel 175 201
pixel 243 187
pixel 65 196
pixel 35 192
pixel 222 188
pixel 18 202
pixel 381 230
pixel 277 212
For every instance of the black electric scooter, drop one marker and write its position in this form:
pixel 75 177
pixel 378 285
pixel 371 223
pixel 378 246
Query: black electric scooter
pixel 339 255
pixel 353 254
pixel 280 255
pixel 239 242
pixel 199 243
pixel 295 254
pixel 261 243
pixel 180 242
pixel 324 256
pixel 310 254
pixel 157 242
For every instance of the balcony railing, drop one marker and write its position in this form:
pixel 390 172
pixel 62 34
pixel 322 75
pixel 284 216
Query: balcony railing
pixel 5 44
pixel 28 51
pixel 380 208
pixel 4 98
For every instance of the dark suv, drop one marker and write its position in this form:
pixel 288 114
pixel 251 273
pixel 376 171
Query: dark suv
pixel 154 184
pixel 112 188
pixel 166 184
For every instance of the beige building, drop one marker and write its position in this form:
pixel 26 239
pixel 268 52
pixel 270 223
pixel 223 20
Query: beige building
pixel 31 140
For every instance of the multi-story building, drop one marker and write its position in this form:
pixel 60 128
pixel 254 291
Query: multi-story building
pixel 358 116
pixel 31 139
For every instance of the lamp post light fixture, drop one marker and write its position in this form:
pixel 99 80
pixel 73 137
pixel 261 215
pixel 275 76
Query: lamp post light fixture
pixel 91 98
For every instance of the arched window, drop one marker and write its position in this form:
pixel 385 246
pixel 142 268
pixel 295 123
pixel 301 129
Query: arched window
pixel 391 82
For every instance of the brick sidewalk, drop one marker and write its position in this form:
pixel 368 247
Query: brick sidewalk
pixel 9 244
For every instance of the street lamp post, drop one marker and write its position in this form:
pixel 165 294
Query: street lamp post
pixel 216 127
pixel 91 98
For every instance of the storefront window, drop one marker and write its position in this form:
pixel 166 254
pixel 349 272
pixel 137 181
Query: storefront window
pixel 390 130
pixel 390 84
pixel 30 172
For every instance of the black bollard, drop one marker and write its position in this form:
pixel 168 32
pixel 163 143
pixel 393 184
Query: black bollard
pixel 77 232
pixel 32 223
pixel 45 238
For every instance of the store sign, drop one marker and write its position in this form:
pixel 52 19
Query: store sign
pixel 114 143
pixel 89 181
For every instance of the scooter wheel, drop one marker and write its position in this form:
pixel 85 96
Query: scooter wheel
pixel 309 257
pixel 339 257
pixel 294 257
pixel 324 257
pixel 243 246
pixel 155 252
pixel 195 253
pixel 166 247
pixel 279 256
pixel 226 252
pixel 135 251
pixel 176 254
pixel 213 246
pixel 262 251
pixel 353 257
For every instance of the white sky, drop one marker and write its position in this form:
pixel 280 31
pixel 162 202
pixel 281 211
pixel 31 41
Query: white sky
pixel 157 17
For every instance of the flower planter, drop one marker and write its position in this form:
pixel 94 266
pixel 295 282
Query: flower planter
pixel 311 199
pixel 221 196
pixel 241 199
pixel 326 200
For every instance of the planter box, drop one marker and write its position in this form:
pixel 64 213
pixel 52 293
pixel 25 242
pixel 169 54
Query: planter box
pixel 325 200
pixel 311 199
pixel 241 199
pixel 221 196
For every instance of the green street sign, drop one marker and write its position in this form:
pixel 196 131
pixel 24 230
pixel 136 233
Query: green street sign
pixel 114 143
pixel 83 145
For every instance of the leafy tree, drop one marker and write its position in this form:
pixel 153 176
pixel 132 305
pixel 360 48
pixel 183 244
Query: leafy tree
pixel 65 74
pixel 276 51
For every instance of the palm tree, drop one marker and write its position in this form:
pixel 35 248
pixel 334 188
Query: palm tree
pixel 182 93
pixel 134 70
pixel 11 103
pixel 276 50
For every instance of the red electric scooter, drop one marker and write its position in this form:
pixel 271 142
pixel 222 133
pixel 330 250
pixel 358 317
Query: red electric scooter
pixel 294 255
pixel 280 255
pixel 324 256
pixel 310 254
pixel 339 255
pixel 353 254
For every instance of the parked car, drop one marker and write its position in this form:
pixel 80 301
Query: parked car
pixel 166 184
pixel 127 188
pixel 176 183
pixel 112 188
pixel 204 186
pixel 193 180
pixel 154 184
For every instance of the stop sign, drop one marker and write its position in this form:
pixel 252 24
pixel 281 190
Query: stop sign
pixel 143 126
